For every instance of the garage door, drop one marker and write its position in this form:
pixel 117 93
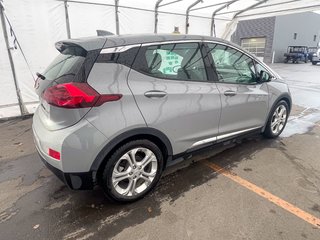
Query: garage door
pixel 255 46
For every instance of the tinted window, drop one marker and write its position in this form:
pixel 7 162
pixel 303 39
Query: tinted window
pixel 126 58
pixel 66 65
pixel 181 61
pixel 232 65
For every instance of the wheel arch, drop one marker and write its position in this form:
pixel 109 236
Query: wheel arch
pixel 154 135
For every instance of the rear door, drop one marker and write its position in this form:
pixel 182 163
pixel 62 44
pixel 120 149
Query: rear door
pixel 244 100
pixel 172 89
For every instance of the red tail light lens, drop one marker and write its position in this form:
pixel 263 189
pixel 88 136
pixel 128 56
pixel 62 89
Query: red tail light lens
pixel 76 95
pixel 54 154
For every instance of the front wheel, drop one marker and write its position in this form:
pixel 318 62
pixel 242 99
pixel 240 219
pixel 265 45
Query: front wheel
pixel 132 171
pixel 314 63
pixel 277 120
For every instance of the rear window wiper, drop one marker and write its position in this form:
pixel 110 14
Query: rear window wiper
pixel 39 75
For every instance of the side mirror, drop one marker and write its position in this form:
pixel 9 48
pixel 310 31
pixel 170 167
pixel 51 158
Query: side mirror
pixel 264 77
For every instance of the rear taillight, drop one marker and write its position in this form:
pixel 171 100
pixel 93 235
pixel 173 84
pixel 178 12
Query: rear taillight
pixel 76 95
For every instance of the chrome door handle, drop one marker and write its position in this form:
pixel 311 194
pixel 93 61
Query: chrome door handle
pixel 155 94
pixel 230 93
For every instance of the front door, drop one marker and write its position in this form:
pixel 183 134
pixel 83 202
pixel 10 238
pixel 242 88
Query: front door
pixel 244 101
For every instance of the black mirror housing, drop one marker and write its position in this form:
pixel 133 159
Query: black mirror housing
pixel 264 76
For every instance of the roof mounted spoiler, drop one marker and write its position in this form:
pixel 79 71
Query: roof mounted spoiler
pixel 62 45
pixel 104 33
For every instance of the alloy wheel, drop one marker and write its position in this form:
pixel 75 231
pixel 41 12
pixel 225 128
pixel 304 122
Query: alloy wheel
pixel 279 119
pixel 134 171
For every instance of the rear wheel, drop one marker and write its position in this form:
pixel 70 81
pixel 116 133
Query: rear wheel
pixel 132 171
pixel 314 63
pixel 277 120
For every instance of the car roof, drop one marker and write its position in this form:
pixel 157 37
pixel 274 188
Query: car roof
pixel 93 43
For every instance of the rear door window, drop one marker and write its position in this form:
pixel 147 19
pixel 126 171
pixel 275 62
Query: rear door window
pixel 178 61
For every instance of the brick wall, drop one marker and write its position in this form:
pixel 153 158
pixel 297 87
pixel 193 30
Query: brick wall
pixel 262 27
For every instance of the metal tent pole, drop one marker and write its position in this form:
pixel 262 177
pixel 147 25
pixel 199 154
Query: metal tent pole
pixel 23 110
pixel 234 21
pixel 213 26
pixel 156 15
pixel 67 18
pixel 187 13
pixel 116 8
pixel 156 12
pixel 266 6
pixel 143 9
pixel 249 8
pixel 304 8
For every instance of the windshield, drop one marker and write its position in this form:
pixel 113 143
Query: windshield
pixel 312 49
pixel 298 49
pixel 66 65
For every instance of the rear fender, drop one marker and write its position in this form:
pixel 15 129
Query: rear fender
pixel 113 144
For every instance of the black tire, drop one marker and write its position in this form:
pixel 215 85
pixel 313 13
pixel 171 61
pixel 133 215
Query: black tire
pixel 268 133
pixel 106 178
pixel 314 63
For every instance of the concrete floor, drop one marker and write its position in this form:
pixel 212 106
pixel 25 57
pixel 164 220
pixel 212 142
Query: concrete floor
pixel 192 201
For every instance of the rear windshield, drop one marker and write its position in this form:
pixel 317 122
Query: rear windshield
pixel 66 65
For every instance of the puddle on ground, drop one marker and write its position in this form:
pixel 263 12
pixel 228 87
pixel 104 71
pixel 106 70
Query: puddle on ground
pixel 300 124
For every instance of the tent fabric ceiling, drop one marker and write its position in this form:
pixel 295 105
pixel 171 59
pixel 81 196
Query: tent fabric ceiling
pixel 38 24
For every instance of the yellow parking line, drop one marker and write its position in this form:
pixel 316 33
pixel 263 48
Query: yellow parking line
pixel 263 193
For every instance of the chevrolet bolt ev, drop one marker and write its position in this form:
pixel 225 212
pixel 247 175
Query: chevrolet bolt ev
pixel 117 110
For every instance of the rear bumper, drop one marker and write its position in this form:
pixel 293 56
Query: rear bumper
pixel 75 181
pixel 78 144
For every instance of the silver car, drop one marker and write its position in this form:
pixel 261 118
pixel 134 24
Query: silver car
pixel 117 110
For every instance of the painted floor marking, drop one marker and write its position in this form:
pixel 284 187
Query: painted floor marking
pixel 265 194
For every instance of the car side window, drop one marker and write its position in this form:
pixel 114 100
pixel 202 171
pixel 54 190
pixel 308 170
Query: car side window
pixel 231 65
pixel 179 61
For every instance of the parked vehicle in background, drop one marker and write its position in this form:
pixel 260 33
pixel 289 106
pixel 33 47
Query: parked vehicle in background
pixel 316 57
pixel 296 54
pixel 311 51
pixel 117 110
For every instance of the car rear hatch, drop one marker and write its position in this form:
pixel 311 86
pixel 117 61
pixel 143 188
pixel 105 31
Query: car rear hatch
pixel 65 97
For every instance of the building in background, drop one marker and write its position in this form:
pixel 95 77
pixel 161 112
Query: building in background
pixel 268 38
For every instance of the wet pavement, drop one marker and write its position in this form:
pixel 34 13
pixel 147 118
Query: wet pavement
pixel 192 201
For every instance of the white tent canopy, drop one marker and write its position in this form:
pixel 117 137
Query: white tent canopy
pixel 38 24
